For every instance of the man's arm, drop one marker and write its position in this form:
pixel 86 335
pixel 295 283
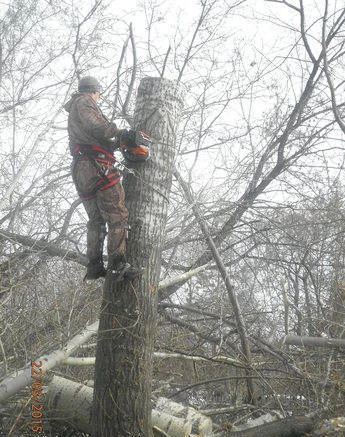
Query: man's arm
pixel 93 121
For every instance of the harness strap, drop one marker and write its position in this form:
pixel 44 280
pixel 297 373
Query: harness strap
pixel 94 151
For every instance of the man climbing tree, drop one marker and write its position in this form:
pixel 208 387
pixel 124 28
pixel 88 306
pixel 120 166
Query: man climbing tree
pixel 93 139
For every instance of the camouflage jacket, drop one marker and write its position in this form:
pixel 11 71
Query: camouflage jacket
pixel 87 124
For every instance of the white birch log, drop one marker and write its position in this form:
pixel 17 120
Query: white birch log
pixel 71 402
pixel 90 361
pixel 173 426
pixel 201 425
pixel 314 341
pixel 170 282
pixel 79 361
pixel 13 383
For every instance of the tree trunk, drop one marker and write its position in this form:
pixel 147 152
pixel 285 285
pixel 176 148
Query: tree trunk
pixel 128 313
pixel 337 328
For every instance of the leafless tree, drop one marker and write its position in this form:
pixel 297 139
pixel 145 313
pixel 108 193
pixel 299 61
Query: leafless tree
pixel 260 145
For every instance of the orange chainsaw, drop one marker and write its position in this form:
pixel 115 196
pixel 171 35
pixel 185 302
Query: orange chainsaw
pixel 135 145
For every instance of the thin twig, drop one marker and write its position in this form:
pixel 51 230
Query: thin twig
pixel 117 94
pixel 77 37
pixel 18 417
pixel 202 17
pixel 284 2
pixel 165 61
pixel 149 40
pixel 133 76
pixel 303 33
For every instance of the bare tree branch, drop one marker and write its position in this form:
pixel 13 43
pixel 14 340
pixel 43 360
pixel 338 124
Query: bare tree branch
pixel 119 66
pixel 284 2
pixel 241 327
pixel 335 108
pixel 165 61
pixel 77 36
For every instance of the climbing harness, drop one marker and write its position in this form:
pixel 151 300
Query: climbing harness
pixel 134 146
pixel 103 161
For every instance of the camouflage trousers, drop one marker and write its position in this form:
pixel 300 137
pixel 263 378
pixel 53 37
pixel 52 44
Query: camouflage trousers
pixel 106 207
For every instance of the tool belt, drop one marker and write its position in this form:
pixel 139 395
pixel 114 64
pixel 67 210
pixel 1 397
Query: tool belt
pixel 104 163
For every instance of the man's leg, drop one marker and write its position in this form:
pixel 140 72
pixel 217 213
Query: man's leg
pixel 96 233
pixel 85 178
pixel 111 204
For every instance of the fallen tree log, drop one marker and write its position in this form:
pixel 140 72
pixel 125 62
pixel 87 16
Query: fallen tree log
pixel 17 380
pixel 201 425
pixel 289 427
pixel 90 361
pixel 70 402
pixel 296 340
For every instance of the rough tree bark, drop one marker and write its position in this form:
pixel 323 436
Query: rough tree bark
pixel 128 313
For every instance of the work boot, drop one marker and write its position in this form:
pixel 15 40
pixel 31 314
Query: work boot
pixel 95 269
pixel 120 268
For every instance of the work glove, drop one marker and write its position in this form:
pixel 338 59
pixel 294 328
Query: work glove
pixel 127 137
pixel 131 138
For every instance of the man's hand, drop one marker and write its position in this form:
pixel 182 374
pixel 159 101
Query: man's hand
pixel 135 145
pixel 127 137
pixel 131 138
